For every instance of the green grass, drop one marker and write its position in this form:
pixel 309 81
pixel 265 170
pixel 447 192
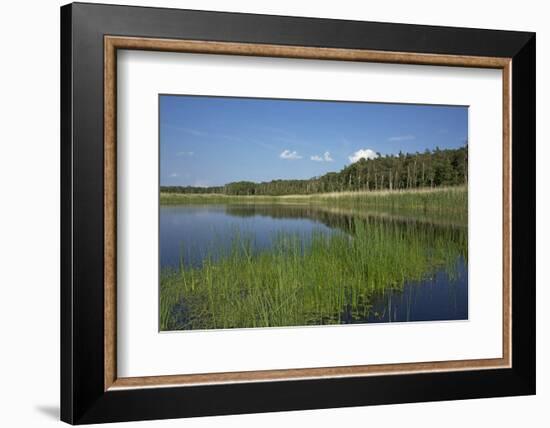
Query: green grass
pixel 439 205
pixel 295 284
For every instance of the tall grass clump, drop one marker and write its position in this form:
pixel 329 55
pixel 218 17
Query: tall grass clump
pixel 297 283
pixel 430 204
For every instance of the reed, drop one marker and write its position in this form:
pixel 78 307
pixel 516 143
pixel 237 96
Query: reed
pixel 305 282
pixel 443 203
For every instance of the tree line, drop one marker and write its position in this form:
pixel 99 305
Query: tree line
pixel 432 168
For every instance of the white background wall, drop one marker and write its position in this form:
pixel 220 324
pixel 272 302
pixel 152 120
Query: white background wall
pixel 29 215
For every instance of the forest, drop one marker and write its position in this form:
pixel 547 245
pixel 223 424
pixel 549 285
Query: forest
pixel 430 169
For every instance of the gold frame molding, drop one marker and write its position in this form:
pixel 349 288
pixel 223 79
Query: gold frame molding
pixel 113 43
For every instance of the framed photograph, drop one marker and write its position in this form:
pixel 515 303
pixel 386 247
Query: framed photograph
pixel 265 213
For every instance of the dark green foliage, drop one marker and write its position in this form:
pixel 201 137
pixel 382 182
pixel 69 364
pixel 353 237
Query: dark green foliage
pixel 403 171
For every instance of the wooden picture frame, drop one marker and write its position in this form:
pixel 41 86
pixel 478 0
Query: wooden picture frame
pixel 91 390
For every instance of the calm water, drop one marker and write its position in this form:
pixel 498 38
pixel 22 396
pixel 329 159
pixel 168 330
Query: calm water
pixel 189 233
pixel 436 298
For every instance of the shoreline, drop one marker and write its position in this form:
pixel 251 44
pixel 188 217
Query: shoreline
pixel 169 198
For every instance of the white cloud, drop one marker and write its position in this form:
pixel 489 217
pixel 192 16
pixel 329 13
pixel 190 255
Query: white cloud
pixel 195 132
pixel 204 134
pixel 402 138
pixel 174 175
pixel 185 153
pixel 287 154
pixel 190 131
pixel 201 183
pixel 325 158
pixel 362 153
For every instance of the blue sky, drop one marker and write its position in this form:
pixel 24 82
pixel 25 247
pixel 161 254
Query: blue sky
pixel 209 141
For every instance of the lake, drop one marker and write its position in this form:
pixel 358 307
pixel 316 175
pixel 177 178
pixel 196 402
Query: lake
pixel 188 233
pixel 410 270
